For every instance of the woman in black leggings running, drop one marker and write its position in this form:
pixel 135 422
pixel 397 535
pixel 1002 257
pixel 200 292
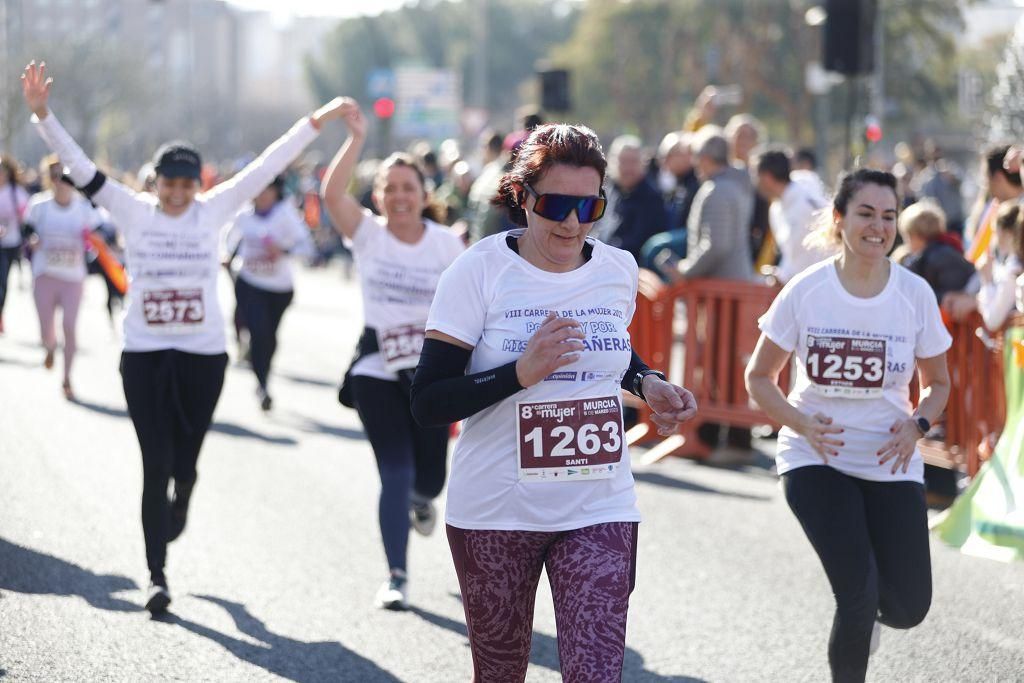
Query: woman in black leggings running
pixel 859 325
pixel 401 254
pixel 174 347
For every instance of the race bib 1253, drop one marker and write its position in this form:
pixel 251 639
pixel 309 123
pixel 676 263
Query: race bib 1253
pixel 846 367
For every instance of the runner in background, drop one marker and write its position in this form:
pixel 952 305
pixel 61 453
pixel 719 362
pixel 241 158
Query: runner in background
pixel 57 224
pixel 174 360
pixel 859 325
pixel 400 255
pixel 264 235
pixel 13 203
pixel 527 341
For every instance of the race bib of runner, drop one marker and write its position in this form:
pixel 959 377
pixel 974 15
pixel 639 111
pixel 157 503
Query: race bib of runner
pixel 846 367
pixel 173 311
pixel 261 266
pixel 62 258
pixel 570 440
pixel 400 346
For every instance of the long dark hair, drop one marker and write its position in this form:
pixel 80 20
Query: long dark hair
pixel 554 143
pixel 432 210
pixel 10 165
pixel 827 235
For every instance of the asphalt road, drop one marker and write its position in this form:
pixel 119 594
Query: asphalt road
pixel 275 576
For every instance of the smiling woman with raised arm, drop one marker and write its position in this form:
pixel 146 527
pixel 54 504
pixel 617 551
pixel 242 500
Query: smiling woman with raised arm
pixel 528 341
pixel 401 254
pixel 174 355
pixel 859 325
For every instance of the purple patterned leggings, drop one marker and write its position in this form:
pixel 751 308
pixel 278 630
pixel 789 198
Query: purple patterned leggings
pixel 591 570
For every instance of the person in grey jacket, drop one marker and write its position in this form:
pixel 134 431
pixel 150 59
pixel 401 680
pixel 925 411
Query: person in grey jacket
pixel 718 225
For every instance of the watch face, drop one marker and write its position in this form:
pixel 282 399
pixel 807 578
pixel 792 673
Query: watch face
pixel 924 425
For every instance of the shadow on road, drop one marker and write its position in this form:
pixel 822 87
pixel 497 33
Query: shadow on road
pixel 312 381
pixel 311 426
pixel 544 651
pixel 101 409
pixel 231 429
pixel 21 362
pixel 658 479
pixel 23 570
pixel 286 657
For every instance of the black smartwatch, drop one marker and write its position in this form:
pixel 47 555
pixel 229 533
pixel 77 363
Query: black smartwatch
pixel 923 425
pixel 638 381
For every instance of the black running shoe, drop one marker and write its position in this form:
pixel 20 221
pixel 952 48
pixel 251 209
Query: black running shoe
pixel 157 598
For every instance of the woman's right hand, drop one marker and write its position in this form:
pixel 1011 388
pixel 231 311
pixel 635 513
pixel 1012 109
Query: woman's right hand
pixel 555 344
pixel 819 430
pixel 36 88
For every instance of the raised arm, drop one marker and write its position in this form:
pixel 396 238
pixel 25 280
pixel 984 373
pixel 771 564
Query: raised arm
pixel 225 199
pixel 344 210
pixel 115 197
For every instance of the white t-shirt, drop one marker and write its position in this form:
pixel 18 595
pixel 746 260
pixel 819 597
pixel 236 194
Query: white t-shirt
pixel 997 299
pixel 398 280
pixel 493 299
pixel 862 352
pixel 791 218
pixel 13 200
pixel 61 250
pixel 251 233
pixel 174 261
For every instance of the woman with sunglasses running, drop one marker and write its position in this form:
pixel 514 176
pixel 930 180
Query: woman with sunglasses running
pixel 527 341
pixel 174 355
pixel 401 255
pixel 859 325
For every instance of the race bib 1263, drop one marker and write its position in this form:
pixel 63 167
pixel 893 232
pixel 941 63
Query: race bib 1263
pixel 846 367
pixel 569 440
pixel 173 310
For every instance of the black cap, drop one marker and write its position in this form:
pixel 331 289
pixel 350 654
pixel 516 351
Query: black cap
pixel 177 160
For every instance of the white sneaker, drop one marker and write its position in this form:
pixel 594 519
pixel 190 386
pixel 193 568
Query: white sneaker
pixel 876 636
pixel 394 593
pixel 423 517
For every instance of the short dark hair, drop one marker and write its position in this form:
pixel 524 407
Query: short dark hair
pixel 775 162
pixel 547 145
pixel 807 156
pixel 994 163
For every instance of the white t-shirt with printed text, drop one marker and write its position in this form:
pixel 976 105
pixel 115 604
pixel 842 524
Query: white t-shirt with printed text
pixel 494 300
pixel 398 280
pixel 861 354
pixel 251 233
pixel 61 229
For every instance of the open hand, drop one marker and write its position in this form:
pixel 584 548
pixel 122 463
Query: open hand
pixel 555 344
pixel 35 86
pixel 900 448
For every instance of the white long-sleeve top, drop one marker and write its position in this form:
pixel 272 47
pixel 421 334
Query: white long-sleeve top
pixel 997 299
pixel 174 261
pixel 251 233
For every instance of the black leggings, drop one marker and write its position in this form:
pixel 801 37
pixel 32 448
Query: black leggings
pixel 261 311
pixel 171 396
pixel 8 255
pixel 872 538
pixel 411 459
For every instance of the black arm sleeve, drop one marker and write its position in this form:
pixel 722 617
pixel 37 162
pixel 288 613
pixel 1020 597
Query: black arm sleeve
pixel 94 185
pixel 441 391
pixel 636 365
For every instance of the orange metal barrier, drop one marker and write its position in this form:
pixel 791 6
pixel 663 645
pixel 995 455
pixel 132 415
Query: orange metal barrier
pixel 720 335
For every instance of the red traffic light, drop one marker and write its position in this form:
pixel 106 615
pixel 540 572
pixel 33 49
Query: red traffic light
pixel 873 133
pixel 384 107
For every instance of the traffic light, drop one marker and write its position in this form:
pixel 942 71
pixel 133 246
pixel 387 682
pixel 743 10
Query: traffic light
pixel 850 36
pixel 384 107
pixel 554 90
pixel 872 129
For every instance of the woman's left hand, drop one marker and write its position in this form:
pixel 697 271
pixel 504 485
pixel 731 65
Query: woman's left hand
pixel 900 448
pixel 672 405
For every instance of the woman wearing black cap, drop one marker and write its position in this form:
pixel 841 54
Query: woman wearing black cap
pixel 174 347
pixel 263 236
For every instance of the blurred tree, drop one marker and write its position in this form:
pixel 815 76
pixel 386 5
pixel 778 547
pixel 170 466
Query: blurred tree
pixel 510 36
pixel 1007 113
